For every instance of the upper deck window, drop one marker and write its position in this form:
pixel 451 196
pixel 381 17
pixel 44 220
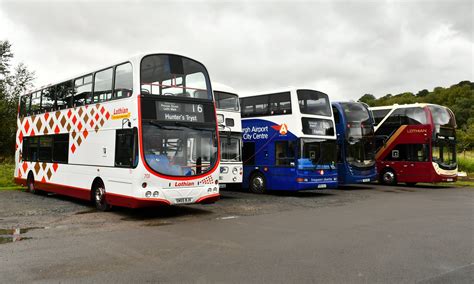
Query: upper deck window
pixel 442 116
pixel 35 103
pixel 173 75
pixel 356 112
pixel 102 86
pixel 379 115
pixel 271 104
pixel 123 80
pixel 227 101
pixel 82 90
pixel 25 105
pixel 314 102
pixel 63 93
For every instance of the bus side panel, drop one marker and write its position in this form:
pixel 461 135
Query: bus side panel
pixel 392 154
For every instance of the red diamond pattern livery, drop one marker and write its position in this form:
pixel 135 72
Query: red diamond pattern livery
pixel 73 120
pixel 208 180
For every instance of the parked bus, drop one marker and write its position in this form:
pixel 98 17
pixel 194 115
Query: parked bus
pixel 230 133
pixel 289 141
pixel 356 143
pixel 415 143
pixel 138 133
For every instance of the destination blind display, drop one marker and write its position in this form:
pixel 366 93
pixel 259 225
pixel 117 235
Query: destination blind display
pixel 315 126
pixel 182 112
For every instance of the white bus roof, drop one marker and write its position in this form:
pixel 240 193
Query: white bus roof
pixel 400 106
pixel 279 90
pixel 219 87
pixel 132 59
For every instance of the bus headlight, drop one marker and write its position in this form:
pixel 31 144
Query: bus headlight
pixel 148 194
pixel 224 170
pixel 235 171
pixel 156 193
pixel 220 118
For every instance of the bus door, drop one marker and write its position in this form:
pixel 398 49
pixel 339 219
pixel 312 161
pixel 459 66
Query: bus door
pixel 284 171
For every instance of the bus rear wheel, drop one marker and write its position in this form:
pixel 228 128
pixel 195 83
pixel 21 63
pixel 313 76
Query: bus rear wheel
pixel 99 199
pixel 30 184
pixel 258 184
pixel 388 177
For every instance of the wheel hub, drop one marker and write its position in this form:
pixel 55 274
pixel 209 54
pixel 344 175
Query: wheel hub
pixel 388 177
pixel 258 183
pixel 99 195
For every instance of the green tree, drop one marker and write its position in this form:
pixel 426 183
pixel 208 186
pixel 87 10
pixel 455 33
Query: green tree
pixel 458 97
pixel 368 99
pixel 12 84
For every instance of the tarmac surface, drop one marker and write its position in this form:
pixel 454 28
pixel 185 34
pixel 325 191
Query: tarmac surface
pixel 358 234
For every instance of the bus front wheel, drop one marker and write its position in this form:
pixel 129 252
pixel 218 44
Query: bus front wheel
pixel 388 177
pixel 258 184
pixel 99 197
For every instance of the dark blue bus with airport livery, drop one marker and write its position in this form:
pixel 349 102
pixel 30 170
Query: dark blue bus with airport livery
pixel 289 141
pixel 356 143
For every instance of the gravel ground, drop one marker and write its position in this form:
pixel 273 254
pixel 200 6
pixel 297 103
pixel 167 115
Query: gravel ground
pixel 19 209
pixel 360 234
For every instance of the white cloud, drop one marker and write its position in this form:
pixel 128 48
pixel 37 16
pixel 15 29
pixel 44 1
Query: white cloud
pixel 346 48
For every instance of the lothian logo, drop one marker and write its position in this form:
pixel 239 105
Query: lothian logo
pixel 283 128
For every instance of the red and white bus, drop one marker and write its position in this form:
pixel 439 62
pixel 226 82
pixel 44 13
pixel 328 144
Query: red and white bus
pixel 138 133
pixel 415 143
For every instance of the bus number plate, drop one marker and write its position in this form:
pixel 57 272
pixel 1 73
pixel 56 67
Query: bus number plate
pixel 366 180
pixel 449 179
pixel 184 200
pixel 321 186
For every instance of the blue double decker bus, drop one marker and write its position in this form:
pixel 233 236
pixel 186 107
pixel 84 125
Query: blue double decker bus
pixel 356 143
pixel 289 141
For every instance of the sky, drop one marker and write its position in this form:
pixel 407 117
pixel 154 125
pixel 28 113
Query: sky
pixel 343 48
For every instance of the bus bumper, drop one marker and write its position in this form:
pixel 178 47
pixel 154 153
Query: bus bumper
pixel 351 179
pixel 442 178
pixel 305 183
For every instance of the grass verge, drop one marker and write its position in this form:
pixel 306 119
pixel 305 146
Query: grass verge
pixel 6 177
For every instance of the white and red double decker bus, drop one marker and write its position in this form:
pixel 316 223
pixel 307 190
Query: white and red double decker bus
pixel 138 133
pixel 415 143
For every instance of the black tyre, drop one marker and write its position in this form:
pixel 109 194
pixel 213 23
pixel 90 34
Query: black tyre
pixel 98 197
pixel 258 184
pixel 30 184
pixel 388 177
pixel 411 183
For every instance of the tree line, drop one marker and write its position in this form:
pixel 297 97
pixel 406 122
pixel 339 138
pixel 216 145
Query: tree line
pixel 15 80
pixel 458 97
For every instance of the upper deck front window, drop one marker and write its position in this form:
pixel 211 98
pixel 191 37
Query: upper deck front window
pixel 172 75
pixel 227 101
pixel 442 116
pixel 358 119
pixel 314 102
